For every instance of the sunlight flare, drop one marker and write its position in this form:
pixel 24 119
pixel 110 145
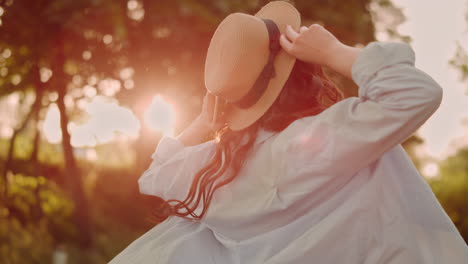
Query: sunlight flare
pixel 160 116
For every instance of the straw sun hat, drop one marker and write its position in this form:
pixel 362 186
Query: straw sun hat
pixel 245 66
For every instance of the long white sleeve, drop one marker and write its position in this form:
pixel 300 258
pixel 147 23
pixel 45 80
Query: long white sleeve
pixel 174 165
pixel 395 99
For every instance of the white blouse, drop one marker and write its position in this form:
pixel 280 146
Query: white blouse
pixel 332 188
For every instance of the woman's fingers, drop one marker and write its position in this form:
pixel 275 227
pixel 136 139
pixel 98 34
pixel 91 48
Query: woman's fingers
pixel 291 34
pixel 211 103
pixel 313 44
pixel 288 39
pixel 215 109
pixel 286 44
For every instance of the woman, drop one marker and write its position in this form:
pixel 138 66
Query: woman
pixel 296 174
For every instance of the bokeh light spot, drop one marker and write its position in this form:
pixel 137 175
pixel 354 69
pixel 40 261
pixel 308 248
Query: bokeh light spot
pixel 53 96
pixel 431 170
pixel 135 10
pixel 126 73
pixel 107 39
pixel 4 71
pixel 16 79
pixel 87 55
pixel 45 74
pixel 128 84
pixel 109 87
pixel 6 53
pixel 89 91
pixel 92 80
pixel 132 4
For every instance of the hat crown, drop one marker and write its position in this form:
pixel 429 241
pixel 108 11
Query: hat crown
pixel 238 51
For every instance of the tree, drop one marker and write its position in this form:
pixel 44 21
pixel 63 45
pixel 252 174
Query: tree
pixel 31 51
pixel 460 62
pixel 451 187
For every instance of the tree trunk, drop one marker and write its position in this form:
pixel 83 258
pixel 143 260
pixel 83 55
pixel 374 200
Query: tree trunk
pixel 73 180
pixel 11 147
pixel 34 159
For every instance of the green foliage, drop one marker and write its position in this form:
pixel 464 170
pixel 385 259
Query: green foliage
pixel 29 243
pixel 460 61
pixel 33 216
pixel 451 188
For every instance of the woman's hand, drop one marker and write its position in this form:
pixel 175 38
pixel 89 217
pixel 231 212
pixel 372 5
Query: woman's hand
pixel 312 44
pixel 207 113
pixel 198 131
pixel 315 44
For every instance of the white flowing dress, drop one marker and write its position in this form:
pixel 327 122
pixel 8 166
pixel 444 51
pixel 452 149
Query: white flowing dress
pixel 332 188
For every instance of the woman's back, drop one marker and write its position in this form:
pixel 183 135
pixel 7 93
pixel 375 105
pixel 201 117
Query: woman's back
pixel 332 188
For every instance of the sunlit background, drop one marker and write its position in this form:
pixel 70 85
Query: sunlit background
pixel 437 28
pixel 116 76
pixel 105 120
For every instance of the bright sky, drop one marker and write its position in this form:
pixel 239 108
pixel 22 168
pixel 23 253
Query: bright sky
pixel 435 26
pixel 106 120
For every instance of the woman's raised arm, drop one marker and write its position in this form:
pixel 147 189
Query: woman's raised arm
pixel 395 99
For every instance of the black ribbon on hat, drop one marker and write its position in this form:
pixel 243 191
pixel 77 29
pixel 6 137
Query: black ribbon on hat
pixel 268 71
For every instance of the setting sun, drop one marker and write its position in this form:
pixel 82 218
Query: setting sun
pixel 160 116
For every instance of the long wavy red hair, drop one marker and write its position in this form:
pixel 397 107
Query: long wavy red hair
pixel 308 91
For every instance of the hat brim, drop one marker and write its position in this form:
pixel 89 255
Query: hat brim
pixel 283 14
